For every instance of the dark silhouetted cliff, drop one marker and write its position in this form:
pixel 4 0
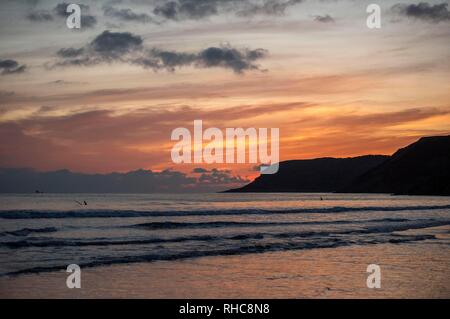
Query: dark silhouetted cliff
pixel 315 175
pixel 422 168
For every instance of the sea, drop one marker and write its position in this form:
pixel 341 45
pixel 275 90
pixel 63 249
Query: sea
pixel 47 232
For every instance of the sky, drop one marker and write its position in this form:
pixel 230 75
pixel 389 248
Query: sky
pixel 106 97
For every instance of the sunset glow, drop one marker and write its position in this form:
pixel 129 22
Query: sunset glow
pixel 333 87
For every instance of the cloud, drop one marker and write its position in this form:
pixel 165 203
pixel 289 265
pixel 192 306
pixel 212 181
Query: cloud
pixel 138 181
pixel 423 11
pixel 87 20
pixel 127 47
pixel 106 47
pixel 125 141
pixel 187 9
pixel 23 180
pixel 159 59
pixel 221 177
pixel 115 44
pixel 11 67
pixel 268 7
pixel 40 16
pixel 168 10
pixel 195 9
pixel 126 15
pixel 388 119
pixel 224 56
pixel 122 142
pixel 174 10
pixel 227 57
pixel 70 52
pixel 324 19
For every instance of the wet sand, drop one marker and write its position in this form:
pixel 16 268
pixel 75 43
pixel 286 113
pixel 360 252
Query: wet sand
pixel 413 270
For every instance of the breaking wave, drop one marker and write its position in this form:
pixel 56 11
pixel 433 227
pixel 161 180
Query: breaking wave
pixel 34 214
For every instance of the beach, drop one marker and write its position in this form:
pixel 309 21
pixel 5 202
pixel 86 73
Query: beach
pixel 224 245
pixel 408 271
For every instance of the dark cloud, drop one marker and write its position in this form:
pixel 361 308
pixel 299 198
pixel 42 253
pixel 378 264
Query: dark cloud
pixel 174 10
pixel 227 57
pixel 138 181
pixel 88 21
pixel 221 177
pixel 268 7
pixel 115 44
pixel 170 59
pixel 106 47
pixel 168 10
pixel 199 170
pixel 196 9
pixel 224 57
pixel 187 9
pixel 23 180
pixel 126 15
pixel 70 52
pixel 40 16
pixel 324 19
pixel 11 67
pixel 424 11
pixel 127 47
pixel 81 61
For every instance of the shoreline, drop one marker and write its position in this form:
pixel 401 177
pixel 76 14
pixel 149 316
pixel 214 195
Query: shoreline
pixel 413 270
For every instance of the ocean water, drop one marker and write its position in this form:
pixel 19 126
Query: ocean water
pixel 47 232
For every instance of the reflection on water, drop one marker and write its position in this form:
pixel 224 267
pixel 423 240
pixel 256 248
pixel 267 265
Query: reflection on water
pixel 45 232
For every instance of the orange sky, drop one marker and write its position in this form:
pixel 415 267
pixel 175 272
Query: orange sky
pixel 333 88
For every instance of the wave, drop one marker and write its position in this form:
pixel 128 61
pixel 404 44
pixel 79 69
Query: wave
pixel 27 231
pixel 35 214
pixel 221 224
pixel 208 238
pixel 240 250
